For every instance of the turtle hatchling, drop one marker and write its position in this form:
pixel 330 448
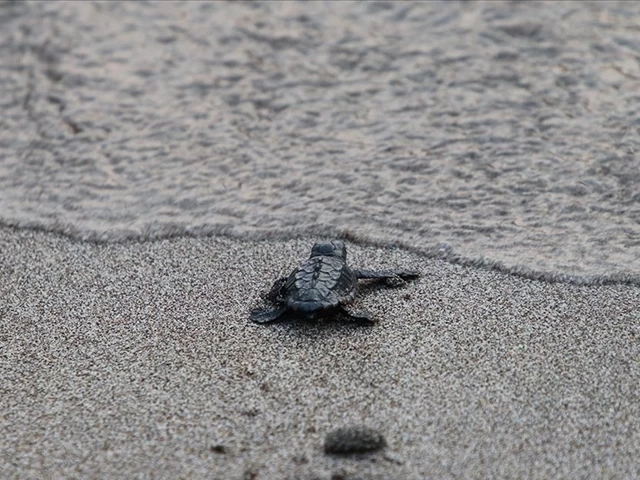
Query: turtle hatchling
pixel 323 286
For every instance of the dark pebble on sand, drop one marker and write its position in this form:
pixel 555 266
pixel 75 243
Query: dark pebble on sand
pixel 353 440
pixel 218 449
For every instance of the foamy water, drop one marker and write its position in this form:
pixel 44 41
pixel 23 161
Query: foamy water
pixel 482 132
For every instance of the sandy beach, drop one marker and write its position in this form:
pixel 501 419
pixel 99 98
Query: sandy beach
pixel 138 360
pixel 161 163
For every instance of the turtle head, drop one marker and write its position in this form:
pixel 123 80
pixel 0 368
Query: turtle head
pixel 334 248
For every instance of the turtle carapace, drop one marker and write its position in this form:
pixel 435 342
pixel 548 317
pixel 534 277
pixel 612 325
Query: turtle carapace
pixel 323 286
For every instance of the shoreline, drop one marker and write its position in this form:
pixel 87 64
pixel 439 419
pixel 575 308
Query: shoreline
pixel 439 251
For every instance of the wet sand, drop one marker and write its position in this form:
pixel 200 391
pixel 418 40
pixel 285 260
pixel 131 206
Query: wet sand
pixel 137 360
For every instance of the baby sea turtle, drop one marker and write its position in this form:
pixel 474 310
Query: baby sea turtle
pixel 324 285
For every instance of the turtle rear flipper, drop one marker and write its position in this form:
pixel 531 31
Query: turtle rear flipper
pixel 360 316
pixel 267 315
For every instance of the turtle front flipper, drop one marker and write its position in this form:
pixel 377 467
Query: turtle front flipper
pixel 402 273
pixel 275 294
pixel 360 316
pixel 267 315
pixel 393 278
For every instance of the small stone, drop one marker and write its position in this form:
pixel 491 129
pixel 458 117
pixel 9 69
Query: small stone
pixel 218 449
pixel 353 440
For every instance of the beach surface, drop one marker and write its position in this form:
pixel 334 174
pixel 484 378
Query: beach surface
pixel 162 163
pixel 138 360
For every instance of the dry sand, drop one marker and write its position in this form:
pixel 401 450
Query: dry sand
pixel 137 360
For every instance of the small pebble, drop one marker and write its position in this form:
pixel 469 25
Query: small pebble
pixel 218 449
pixel 353 440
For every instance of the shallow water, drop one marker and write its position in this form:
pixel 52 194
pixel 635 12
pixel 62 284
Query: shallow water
pixel 481 132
